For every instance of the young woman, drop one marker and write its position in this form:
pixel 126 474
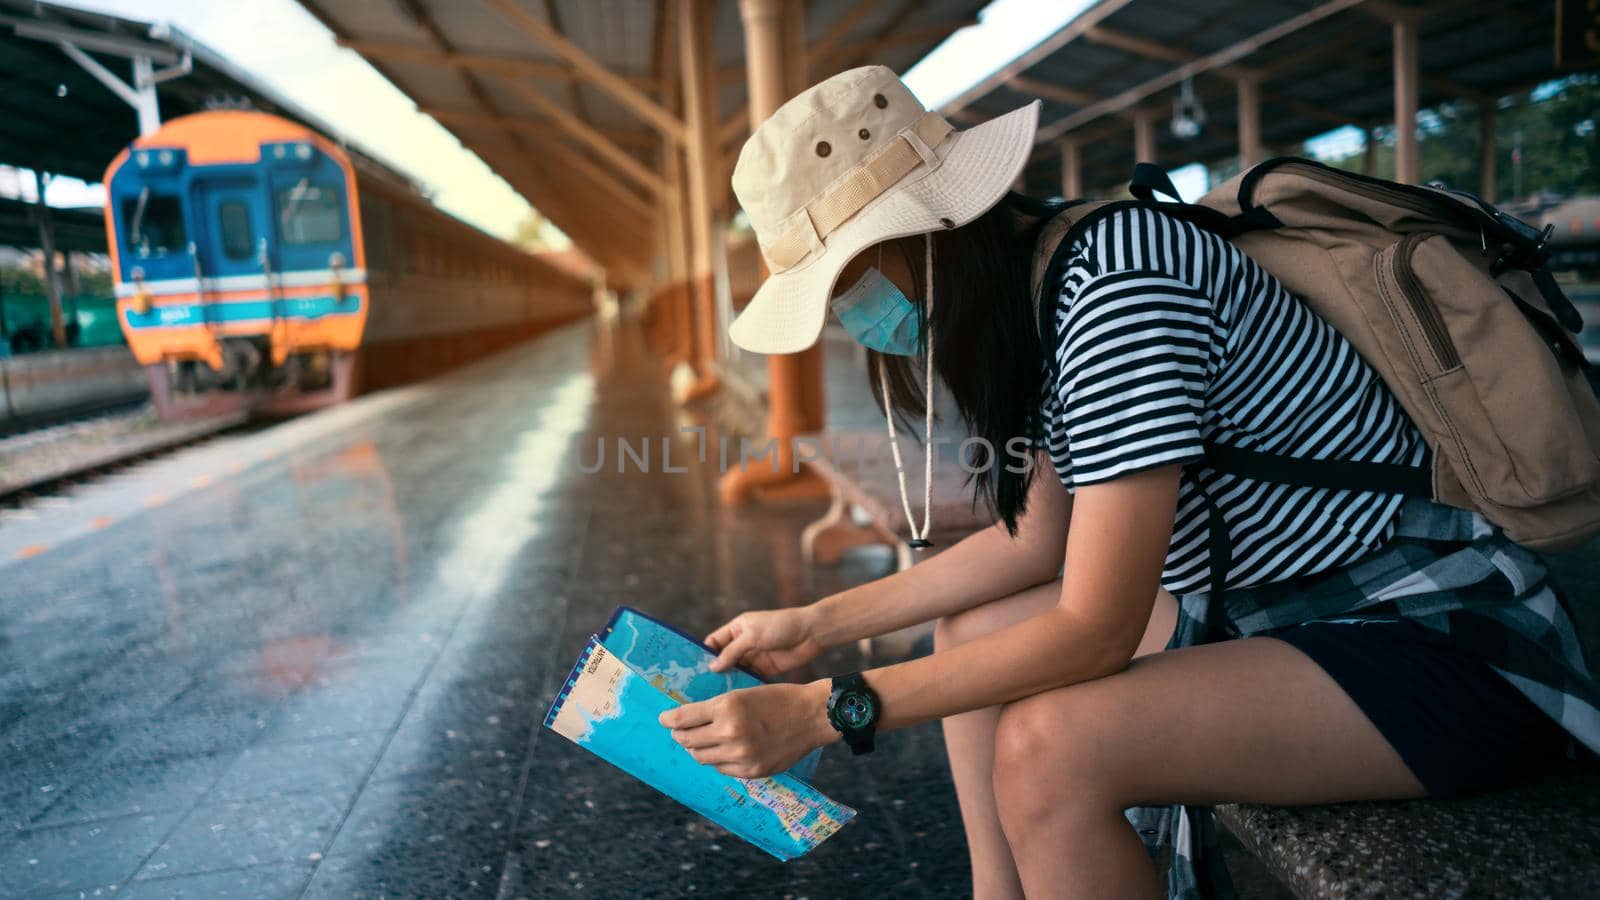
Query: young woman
pixel 1080 669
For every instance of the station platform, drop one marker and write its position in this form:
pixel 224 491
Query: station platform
pixel 313 659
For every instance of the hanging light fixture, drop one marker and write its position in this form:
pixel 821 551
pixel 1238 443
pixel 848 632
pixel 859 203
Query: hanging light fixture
pixel 1188 116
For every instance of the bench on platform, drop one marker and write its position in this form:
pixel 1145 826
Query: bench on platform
pixel 866 508
pixel 1534 840
pixel 866 511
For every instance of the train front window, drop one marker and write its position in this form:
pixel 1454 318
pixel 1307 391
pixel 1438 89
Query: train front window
pixel 238 239
pixel 154 223
pixel 310 214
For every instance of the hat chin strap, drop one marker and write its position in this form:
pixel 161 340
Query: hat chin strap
pixel 919 537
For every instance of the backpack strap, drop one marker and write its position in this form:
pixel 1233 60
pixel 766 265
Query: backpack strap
pixel 1150 179
pixel 1058 235
pixel 1334 474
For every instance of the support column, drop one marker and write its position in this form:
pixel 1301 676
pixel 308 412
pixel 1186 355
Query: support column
pixel 148 103
pixel 1486 185
pixel 687 314
pixel 796 65
pixel 69 275
pixel 695 56
pixel 679 325
pixel 1249 122
pixel 1071 170
pixel 1407 168
pixel 1144 137
pixel 791 378
pixel 47 243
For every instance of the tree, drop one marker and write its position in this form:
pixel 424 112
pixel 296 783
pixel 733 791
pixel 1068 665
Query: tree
pixel 1549 132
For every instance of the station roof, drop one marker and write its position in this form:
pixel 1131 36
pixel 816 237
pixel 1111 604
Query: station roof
pixel 60 119
pixel 1320 64
pixel 75 229
pixel 496 75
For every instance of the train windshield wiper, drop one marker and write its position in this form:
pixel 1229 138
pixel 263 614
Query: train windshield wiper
pixel 135 231
pixel 296 194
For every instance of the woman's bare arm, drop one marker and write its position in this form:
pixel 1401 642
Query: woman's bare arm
pixel 1113 568
pixel 987 565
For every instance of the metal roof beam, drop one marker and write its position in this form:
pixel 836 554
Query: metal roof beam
pixel 580 108
pixel 585 133
pixel 539 128
pixel 99 42
pixel 484 62
pixel 421 15
pixel 838 61
pixel 1057 92
pixel 828 50
pixel 1181 54
pixel 580 165
pixel 576 220
pixel 591 70
pixel 840 29
pixel 1080 23
pixel 904 37
pixel 1217 60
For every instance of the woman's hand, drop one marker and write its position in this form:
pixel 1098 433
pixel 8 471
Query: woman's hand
pixel 769 642
pixel 756 731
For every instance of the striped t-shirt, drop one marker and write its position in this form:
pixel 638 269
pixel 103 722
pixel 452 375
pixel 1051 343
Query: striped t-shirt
pixel 1166 337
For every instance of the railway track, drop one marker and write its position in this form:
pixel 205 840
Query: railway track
pixel 43 424
pixel 46 461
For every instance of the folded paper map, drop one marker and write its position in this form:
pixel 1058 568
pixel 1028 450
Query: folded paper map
pixel 636 669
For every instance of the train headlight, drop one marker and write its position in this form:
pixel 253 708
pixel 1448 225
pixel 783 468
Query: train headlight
pixel 336 265
pixel 141 297
pixel 162 160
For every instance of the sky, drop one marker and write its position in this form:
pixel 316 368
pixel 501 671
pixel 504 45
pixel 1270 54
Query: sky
pixel 283 46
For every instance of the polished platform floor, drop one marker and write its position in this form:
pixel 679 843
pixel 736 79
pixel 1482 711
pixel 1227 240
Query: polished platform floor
pixel 313 659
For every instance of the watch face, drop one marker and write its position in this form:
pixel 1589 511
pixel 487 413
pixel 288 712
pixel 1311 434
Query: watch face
pixel 855 709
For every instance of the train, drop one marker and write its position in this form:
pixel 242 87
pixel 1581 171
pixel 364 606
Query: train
pixel 258 265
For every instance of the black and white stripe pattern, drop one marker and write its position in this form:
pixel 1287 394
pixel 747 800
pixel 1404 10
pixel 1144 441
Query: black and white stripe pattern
pixel 1168 336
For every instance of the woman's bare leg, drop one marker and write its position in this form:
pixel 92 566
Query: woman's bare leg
pixel 970 737
pixel 1252 720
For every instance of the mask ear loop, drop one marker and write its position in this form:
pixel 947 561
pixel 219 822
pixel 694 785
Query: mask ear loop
pixel 919 537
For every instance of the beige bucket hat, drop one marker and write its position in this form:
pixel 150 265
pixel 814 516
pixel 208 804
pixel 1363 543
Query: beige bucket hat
pixel 852 161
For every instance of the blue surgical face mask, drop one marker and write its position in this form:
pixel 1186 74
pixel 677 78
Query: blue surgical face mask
pixel 878 315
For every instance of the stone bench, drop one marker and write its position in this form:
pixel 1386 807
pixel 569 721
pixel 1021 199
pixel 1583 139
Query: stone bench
pixel 866 511
pixel 1538 839
pixel 866 508
pixel 1534 840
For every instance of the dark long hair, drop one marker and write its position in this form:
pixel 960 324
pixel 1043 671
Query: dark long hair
pixel 986 343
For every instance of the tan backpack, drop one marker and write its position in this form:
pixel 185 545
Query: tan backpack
pixel 1448 299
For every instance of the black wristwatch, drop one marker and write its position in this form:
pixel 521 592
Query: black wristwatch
pixel 853 711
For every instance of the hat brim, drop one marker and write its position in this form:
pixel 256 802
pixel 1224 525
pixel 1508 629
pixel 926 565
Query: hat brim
pixel 977 167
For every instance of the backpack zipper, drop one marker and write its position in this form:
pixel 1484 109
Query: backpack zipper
pixel 1433 328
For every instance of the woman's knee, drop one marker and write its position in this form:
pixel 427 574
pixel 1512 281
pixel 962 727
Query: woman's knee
pixel 1051 759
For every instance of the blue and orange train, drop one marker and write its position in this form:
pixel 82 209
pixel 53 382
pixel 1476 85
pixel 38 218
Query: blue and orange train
pixel 241 266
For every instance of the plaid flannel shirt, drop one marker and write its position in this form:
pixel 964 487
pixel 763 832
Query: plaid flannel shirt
pixel 1488 593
